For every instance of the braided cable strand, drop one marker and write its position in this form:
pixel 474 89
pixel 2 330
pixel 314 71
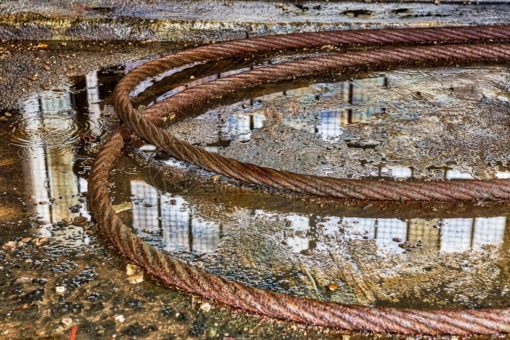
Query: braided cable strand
pixel 176 273
pixel 211 93
pixel 248 48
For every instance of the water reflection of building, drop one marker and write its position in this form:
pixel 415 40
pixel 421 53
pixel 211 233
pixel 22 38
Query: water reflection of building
pixel 425 232
pixel 169 221
pixel 49 166
pixel 51 125
pixel 241 125
pixel 329 123
pixel 93 102
pixel 449 235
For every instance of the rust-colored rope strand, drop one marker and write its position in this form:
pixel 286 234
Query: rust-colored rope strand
pixel 178 274
pixel 206 95
pixel 248 48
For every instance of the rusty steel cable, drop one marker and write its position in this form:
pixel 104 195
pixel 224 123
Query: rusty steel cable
pixel 198 188
pixel 209 94
pixel 196 98
pixel 254 47
pixel 176 273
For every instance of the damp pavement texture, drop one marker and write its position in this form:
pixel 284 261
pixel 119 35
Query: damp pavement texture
pixel 203 20
pixel 59 275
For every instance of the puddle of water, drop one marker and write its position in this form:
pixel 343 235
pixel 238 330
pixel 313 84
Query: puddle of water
pixel 52 135
pixel 379 113
pixel 376 251
pixel 284 248
pixel 345 128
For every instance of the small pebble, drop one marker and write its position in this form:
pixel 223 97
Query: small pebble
pixel 136 278
pixel 10 246
pixel 120 318
pixel 60 289
pixel 332 287
pixel 205 307
pixel 131 269
pixel 40 241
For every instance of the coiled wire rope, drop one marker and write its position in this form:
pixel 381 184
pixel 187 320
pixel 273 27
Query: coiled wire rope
pixel 450 47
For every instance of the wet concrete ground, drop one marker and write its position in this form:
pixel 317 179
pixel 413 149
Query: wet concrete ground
pixel 59 274
pixel 207 21
pixel 56 273
pixel 55 105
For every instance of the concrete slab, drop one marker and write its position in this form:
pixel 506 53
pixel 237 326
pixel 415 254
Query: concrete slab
pixel 205 21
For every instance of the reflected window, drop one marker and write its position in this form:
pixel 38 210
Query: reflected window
pixel 300 225
pixel 172 218
pixel 388 230
pixel 93 100
pixel 241 126
pixel 425 232
pixel 176 223
pixel 361 88
pixel 330 124
pixel 489 231
pixel 456 234
pixel 206 235
pixel 145 209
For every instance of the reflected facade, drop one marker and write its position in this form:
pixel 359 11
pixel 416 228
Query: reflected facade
pixel 168 221
pixel 328 124
pixel 49 132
